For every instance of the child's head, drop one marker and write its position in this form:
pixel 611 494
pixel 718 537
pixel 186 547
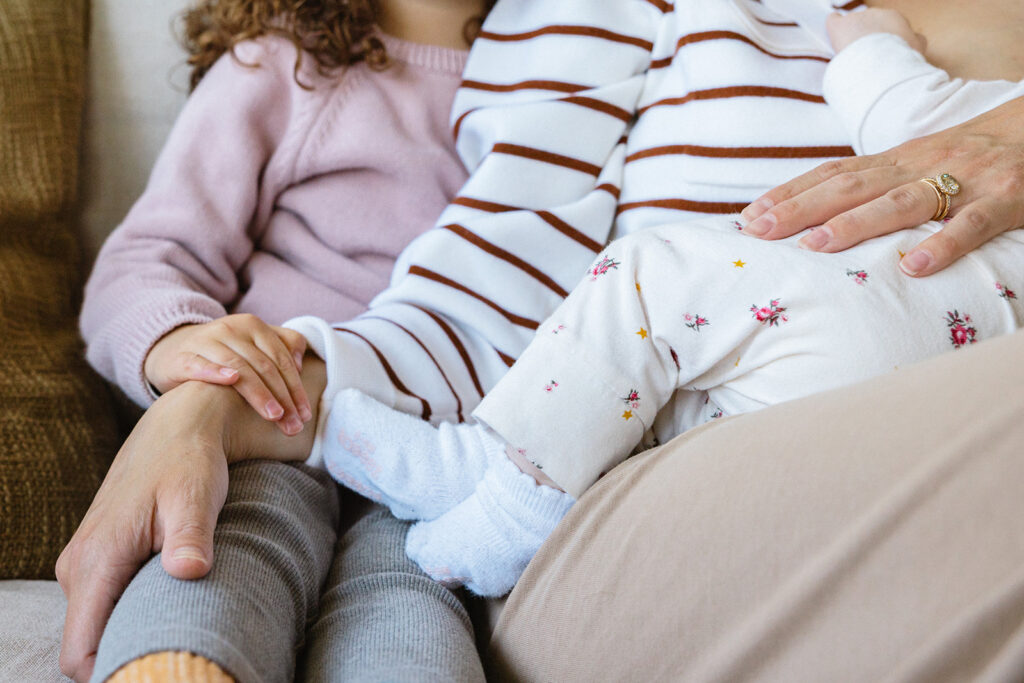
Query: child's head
pixel 335 32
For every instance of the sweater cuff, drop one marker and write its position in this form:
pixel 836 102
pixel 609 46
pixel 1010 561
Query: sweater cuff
pixel 858 77
pixel 344 371
pixel 134 332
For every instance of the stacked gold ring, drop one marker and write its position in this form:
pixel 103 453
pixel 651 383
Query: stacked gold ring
pixel 946 187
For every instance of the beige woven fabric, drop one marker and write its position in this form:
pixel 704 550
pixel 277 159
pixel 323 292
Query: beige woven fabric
pixel 56 424
pixel 870 534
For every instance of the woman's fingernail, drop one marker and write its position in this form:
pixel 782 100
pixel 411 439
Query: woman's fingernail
pixel 915 262
pixel 228 372
pixel 293 425
pixel 757 208
pixel 274 409
pixel 306 413
pixel 761 226
pixel 189 552
pixel 816 239
pixel 298 360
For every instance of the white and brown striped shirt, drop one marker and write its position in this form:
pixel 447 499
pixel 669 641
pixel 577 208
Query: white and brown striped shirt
pixel 581 120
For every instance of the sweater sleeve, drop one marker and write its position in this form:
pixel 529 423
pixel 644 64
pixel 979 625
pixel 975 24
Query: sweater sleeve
pixel 886 93
pixel 175 258
pixel 549 93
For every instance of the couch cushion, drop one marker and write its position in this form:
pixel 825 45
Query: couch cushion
pixel 57 430
pixel 31 623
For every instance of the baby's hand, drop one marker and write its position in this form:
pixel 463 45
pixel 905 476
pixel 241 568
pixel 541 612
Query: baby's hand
pixel 843 29
pixel 262 362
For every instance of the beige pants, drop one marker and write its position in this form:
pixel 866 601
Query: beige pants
pixel 873 533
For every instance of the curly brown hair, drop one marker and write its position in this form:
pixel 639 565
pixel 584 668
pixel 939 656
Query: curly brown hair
pixel 337 33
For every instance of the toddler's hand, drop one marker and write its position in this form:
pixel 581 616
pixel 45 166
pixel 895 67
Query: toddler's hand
pixel 262 362
pixel 843 29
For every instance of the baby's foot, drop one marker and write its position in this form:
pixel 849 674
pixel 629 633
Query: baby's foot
pixel 486 541
pixel 417 470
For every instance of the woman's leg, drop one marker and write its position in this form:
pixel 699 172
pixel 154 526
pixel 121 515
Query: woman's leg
pixel 381 618
pixel 272 548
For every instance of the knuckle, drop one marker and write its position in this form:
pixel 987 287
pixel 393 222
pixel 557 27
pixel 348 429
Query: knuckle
pixel 975 220
pixel 904 198
pixel 847 182
pixel 264 365
pixel 830 169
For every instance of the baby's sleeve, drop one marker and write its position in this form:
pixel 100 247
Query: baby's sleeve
pixel 886 93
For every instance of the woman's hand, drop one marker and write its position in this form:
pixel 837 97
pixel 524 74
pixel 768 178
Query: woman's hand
pixel 844 29
pixel 862 197
pixel 262 362
pixel 163 492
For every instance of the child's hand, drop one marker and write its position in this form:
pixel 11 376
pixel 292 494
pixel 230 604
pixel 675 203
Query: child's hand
pixel 843 29
pixel 262 362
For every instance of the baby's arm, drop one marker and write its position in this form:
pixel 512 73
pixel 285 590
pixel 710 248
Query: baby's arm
pixel 885 91
pixel 549 92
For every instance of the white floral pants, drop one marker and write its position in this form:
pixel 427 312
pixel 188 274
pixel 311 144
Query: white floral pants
pixel 680 324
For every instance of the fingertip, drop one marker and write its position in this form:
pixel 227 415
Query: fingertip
pixel 756 209
pixel 917 263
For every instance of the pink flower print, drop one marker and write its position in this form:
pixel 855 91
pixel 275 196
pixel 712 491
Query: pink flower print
pixel 602 267
pixel 551 386
pixel 859 276
pixel 961 332
pixel 632 399
pixel 558 329
pixel 771 315
pixel 717 414
pixel 695 321
pixel 1004 291
pixel 737 225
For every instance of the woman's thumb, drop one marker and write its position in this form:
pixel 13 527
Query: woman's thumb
pixel 188 523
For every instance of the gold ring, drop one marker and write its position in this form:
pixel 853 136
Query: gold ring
pixel 942 207
pixel 947 187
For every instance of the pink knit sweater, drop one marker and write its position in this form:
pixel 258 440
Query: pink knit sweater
pixel 276 200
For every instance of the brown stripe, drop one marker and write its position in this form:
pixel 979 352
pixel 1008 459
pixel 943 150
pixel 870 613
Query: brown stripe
pixel 546 157
pixel 601 106
pixel 455 395
pixel 459 347
pixel 489 207
pixel 458 123
pixel 569 231
pixel 508 360
pixel 390 372
pixel 851 5
pixel 787 24
pixel 497 252
pixel 744 152
pixel 705 36
pixel 555 86
pixel 568 30
pixel 685 205
pixel 732 35
pixel 662 5
pixel 736 91
pixel 610 189
pixel 623 140
pixel 441 279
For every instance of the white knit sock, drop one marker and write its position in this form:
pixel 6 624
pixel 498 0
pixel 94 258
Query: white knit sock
pixel 486 541
pixel 417 470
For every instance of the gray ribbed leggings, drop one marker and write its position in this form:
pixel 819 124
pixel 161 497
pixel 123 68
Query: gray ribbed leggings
pixel 288 598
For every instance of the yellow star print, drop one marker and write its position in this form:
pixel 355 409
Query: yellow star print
pixel 739 263
pixel 638 286
pixel 642 333
pixel 628 414
pixel 901 253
